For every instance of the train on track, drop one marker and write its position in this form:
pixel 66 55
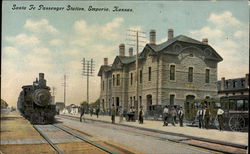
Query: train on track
pixel 35 102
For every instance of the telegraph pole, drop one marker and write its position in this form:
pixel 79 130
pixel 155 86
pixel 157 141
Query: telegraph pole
pixel 64 89
pixel 87 70
pixel 53 94
pixel 137 34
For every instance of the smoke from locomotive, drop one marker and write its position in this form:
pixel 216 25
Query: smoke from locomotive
pixel 35 102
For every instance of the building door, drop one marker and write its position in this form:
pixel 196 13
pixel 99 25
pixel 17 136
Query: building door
pixel 149 101
pixel 188 104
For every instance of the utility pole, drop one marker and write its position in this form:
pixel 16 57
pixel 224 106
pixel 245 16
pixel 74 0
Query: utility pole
pixel 64 88
pixel 53 94
pixel 87 70
pixel 138 35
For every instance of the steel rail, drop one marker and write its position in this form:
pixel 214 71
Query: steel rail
pixel 48 140
pixel 85 139
pixel 174 134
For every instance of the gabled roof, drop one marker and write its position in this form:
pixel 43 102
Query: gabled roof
pixel 127 59
pixel 181 38
pixel 104 68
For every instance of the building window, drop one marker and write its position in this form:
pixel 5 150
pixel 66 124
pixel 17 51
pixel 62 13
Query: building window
pixel 103 85
pixel 118 79
pixel 242 83
pixel 172 72
pixel 171 99
pixel 131 78
pixel 140 101
pixel 149 73
pixel 234 84
pixel 140 76
pixel 113 80
pixel 130 101
pixel 207 75
pixel 190 74
pixel 227 84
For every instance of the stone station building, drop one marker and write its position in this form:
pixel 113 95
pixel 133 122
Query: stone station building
pixel 169 73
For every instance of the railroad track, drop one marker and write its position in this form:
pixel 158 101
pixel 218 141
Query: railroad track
pixel 213 145
pixel 70 136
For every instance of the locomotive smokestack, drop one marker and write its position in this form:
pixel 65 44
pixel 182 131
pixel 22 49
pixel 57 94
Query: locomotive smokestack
pixel 41 76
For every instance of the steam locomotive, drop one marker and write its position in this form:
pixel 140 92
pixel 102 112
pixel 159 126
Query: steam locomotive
pixel 35 102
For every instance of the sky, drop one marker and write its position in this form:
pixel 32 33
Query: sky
pixel 55 42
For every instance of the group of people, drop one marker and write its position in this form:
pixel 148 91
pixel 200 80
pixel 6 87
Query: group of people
pixel 170 113
pixel 204 114
pixel 130 114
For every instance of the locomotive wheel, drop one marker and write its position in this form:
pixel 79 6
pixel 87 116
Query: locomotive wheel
pixel 236 122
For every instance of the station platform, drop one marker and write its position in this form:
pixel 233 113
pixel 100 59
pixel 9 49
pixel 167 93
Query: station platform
pixel 240 138
pixel 17 134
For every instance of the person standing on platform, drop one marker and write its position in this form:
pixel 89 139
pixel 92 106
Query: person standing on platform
pixel 120 114
pixel 91 111
pixel 181 116
pixel 220 118
pixel 165 116
pixel 141 114
pixel 97 112
pixel 113 114
pixel 200 115
pixel 207 117
pixel 173 115
pixel 82 113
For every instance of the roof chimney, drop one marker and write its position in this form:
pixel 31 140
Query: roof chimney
pixel 152 35
pixel 122 49
pixel 247 81
pixel 222 83
pixel 205 40
pixel 130 51
pixel 170 34
pixel 105 61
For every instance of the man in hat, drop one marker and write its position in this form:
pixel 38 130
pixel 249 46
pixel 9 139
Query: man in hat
pixel 200 115
pixel 113 114
pixel 181 116
pixel 207 117
pixel 165 115
pixel 220 117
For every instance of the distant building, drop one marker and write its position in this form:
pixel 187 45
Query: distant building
pixel 60 106
pixel 230 87
pixel 170 73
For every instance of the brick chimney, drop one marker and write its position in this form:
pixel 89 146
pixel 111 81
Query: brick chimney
pixel 152 36
pixel 130 51
pixel 122 49
pixel 222 83
pixel 205 40
pixel 170 34
pixel 105 61
pixel 247 81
